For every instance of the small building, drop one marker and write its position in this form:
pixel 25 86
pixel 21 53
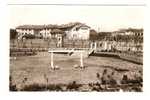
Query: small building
pixel 76 31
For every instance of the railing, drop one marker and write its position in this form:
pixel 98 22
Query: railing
pixel 67 49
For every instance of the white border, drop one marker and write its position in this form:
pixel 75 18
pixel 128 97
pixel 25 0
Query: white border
pixel 4 57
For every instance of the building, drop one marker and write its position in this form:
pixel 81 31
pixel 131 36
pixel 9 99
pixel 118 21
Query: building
pixel 71 31
pixel 129 31
pixel 77 31
pixel 37 30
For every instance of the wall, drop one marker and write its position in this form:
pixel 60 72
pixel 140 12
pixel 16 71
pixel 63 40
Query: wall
pixel 78 34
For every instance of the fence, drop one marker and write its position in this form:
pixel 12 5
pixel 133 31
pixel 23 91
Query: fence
pixel 41 43
pixel 98 45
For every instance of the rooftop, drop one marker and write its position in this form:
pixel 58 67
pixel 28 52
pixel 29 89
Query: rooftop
pixel 130 30
pixel 69 25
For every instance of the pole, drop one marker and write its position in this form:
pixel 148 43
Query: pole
pixel 95 46
pixel 91 45
pixel 52 61
pixel 81 60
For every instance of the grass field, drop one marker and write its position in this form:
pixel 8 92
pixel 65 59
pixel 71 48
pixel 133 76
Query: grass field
pixel 36 69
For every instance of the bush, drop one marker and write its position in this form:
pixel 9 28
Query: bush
pixel 113 81
pixel 13 34
pixel 73 86
pixel 136 89
pixel 53 87
pixel 98 75
pixel 95 86
pixel 34 87
pixel 104 77
pixel 11 86
pixel 124 79
pixel 42 87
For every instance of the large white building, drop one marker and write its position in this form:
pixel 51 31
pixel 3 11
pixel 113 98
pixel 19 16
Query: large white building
pixel 71 31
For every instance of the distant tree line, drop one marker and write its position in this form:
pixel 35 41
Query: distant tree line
pixel 100 36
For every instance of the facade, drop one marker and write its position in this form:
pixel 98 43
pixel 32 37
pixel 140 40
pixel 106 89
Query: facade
pixel 46 33
pixel 78 31
pixel 72 30
pixel 37 30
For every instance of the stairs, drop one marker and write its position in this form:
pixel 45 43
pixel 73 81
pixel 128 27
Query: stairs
pixel 90 51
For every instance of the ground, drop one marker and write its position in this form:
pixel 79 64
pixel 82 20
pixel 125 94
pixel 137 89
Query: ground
pixel 36 69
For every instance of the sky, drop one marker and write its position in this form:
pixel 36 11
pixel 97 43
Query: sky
pixel 100 18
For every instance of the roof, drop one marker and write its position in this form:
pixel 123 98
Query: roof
pixel 57 31
pixel 134 30
pixel 35 26
pixel 81 25
pixel 69 25
pixel 130 30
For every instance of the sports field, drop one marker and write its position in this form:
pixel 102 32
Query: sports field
pixel 28 70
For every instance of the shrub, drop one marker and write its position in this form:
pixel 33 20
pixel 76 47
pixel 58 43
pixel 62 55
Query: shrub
pixel 53 87
pixel 34 87
pixel 95 87
pixel 42 87
pixel 13 33
pixel 137 89
pixel 97 75
pixel 73 86
pixel 12 87
pixel 105 71
pixel 113 81
pixel 124 79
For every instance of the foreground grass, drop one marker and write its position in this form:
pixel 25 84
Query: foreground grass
pixel 34 71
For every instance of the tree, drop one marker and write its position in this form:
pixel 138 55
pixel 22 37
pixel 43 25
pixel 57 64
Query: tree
pixel 13 34
pixel 93 35
pixel 104 35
